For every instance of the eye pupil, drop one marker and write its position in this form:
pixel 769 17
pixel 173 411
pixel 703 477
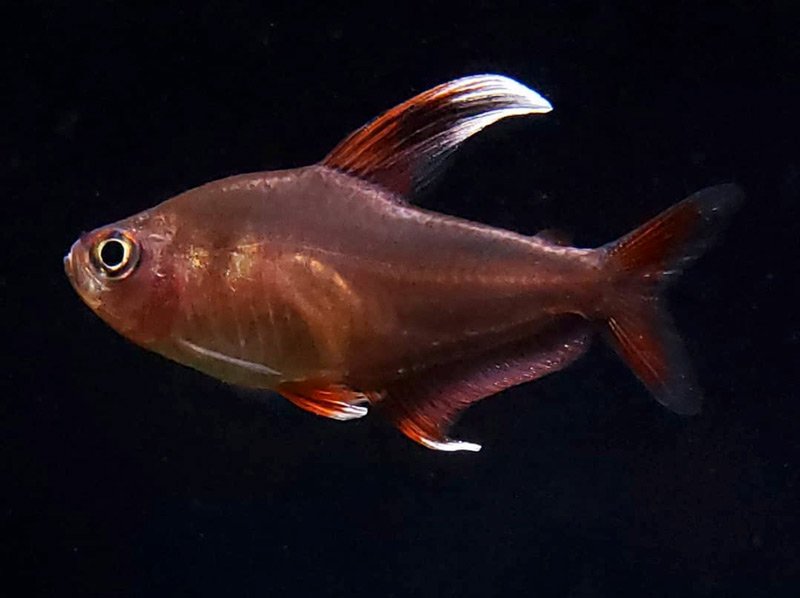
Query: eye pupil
pixel 112 253
pixel 116 255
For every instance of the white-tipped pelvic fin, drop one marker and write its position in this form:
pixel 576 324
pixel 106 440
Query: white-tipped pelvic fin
pixel 347 412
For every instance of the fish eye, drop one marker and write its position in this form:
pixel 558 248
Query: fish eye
pixel 116 255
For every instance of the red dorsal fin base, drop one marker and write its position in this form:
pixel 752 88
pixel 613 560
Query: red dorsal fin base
pixel 403 148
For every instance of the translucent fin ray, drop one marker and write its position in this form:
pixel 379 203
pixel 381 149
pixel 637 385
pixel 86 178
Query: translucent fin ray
pixel 641 263
pixel 426 406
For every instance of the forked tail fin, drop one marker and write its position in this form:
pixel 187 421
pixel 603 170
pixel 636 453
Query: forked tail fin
pixel 641 263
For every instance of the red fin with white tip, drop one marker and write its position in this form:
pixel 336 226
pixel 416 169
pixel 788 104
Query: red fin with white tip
pixel 333 401
pixel 402 149
pixel 425 406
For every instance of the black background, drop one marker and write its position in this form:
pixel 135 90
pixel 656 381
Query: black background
pixel 124 474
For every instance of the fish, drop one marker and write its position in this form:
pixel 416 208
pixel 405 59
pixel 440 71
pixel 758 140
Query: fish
pixel 327 285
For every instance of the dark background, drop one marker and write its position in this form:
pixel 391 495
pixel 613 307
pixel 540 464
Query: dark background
pixel 124 474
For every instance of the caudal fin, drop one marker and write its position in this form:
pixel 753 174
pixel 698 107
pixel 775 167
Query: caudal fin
pixel 641 264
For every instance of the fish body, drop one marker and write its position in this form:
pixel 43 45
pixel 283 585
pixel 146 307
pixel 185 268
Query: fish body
pixel 325 284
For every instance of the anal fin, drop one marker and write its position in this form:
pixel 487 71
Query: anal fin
pixel 328 400
pixel 425 406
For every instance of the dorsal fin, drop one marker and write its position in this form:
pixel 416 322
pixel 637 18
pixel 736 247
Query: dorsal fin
pixel 401 149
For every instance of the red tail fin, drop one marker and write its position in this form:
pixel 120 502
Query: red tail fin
pixel 643 261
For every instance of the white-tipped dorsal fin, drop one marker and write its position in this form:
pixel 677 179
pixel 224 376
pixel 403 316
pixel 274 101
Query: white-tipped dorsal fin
pixel 401 149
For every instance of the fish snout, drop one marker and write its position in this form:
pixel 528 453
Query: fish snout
pixel 68 264
pixel 72 259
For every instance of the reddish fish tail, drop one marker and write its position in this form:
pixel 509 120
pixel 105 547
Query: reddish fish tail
pixel 642 263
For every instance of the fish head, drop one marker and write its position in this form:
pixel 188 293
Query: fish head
pixel 123 272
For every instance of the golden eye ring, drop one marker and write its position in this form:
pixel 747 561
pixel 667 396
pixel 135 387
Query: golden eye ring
pixel 116 255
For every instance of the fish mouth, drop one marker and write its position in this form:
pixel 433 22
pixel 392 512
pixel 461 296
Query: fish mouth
pixel 80 277
pixel 68 264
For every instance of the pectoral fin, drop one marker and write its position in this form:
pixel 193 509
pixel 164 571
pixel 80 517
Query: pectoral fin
pixel 333 401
